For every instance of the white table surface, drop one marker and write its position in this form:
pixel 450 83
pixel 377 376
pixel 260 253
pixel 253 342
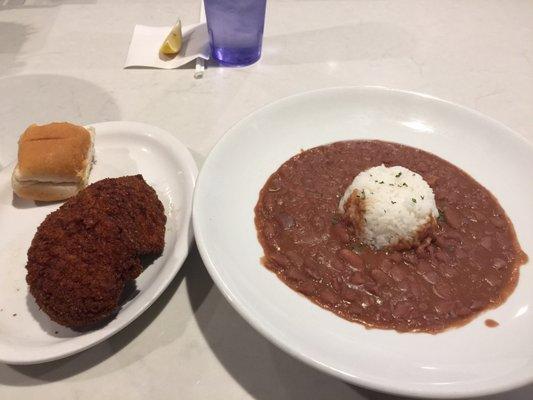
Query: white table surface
pixel 62 60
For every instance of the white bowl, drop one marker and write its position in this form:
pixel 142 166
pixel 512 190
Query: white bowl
pixel 467 361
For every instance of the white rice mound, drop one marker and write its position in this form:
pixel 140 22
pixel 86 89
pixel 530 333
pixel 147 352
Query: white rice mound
pixel 396 203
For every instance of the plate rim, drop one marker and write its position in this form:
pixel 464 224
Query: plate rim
pixel 191 170
pixel 383 386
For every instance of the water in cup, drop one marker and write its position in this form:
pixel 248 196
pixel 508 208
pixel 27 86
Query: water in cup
pixel 235 30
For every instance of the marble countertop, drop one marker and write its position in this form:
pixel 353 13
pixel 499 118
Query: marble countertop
pixel 62 60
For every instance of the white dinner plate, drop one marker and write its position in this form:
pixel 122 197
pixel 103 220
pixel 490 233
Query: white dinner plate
pixel 467 361
pixel 27 335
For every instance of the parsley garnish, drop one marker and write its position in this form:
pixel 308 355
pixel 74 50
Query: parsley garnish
pixel 398 174
pixel 393 202
pixel 413 200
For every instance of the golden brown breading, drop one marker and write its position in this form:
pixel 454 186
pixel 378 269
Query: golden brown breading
pixel 86 251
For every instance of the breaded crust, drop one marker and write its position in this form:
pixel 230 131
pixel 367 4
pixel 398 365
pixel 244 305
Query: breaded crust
pixel 85 252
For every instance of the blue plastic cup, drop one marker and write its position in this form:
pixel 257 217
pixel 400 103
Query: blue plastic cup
pixel 235 30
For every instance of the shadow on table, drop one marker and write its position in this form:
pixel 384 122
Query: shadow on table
pixel 525 393
pixel 43 98
pixel 362 41
pixel 14 4
pixel 73 365
pixel 13 35
pixel 262 369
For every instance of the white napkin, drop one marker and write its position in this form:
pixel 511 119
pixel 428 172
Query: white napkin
pixel 146 41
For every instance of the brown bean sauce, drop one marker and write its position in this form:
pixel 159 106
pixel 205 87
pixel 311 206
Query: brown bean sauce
pixel 469 264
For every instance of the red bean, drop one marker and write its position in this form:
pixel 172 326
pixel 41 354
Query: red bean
pixel 285 220
pixel 492 279
pixel 442 256
pixel 338 265
pixel 379 276
pixel 269 231
pixel 444 307
pixel 423 267
pixel 337 284
pixel 351 258
pixel 295 258
pixel 498 222
pixel 453 218
pixel 340 232
pixel 486 242
pixel 358 278
pixel 387 266
pixel 403 285
pixel 448 271
pixel 328 296
pixel 279 259
pixel 442 290
pixel 356 309
pixel 442 242
pixel 401 310
pixel 477 305
pixel 410 257
pixel 479 216
pixel 318 223
pixel 295 274
pixel 416 291
pixel 309 262
pixel 349 294
pixel 397 257
pixel 398 273
pixel 307 288
pixel 313 273
pixel 498 263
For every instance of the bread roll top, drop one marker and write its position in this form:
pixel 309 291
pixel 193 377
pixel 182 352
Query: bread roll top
pixel 56 152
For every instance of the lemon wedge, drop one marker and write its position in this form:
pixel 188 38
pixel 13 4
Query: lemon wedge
pixel 172 43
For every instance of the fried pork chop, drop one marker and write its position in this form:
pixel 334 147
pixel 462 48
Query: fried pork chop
pixel 85 252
